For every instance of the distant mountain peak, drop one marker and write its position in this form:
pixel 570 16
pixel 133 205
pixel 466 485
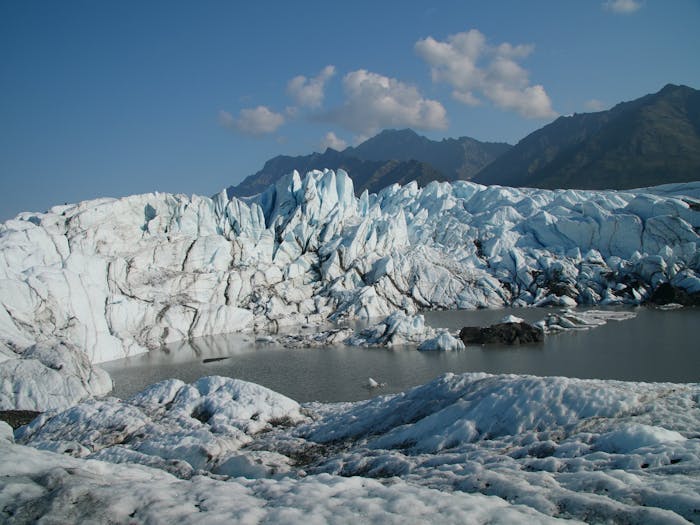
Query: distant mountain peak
pixel 675 87
pixel 652 140
pixel 396 132
pixel 393 155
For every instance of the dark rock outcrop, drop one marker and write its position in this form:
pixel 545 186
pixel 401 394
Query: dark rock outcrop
pixel 17 418
pixel 501 333
pixel 666 293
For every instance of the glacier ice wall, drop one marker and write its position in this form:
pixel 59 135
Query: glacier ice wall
pixel 118 276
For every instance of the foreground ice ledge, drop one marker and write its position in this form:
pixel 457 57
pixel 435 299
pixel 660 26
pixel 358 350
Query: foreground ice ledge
pixel 469 448
pixel 114 277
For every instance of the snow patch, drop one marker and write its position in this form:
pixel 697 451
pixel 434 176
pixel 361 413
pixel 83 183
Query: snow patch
pixel 635 436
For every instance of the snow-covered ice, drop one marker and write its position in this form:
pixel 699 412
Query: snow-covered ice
pixel 66 490
pixel 568 319
pixel 444 341
pixel 373 383
pixel 49 376
pixel 103 279
pixel 119 276
pixel 473 448
pixel 181 428
pixel 512 319
pixel 114 277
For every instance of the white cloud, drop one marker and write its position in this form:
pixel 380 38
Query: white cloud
pixel 466 97
pixel 594 105
pixel 309 92
pixel 622 6
pixel 530 102
pixel 292 112
pixel 252 121
pixel 226 119
pixel 373 102
pixel 331 140
pixel 475 68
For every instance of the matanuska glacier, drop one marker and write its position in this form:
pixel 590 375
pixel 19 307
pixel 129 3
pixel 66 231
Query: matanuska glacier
pixel 103 279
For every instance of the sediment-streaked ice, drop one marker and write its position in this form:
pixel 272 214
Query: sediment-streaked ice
pixel 114 277
pixel 473 448
pixel 306 248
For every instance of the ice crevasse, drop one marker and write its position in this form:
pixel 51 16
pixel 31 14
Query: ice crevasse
pixel 106 278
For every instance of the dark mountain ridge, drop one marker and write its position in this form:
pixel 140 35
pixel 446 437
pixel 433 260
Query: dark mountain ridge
pixel 459 158
pixel 649 141
pixel 392 156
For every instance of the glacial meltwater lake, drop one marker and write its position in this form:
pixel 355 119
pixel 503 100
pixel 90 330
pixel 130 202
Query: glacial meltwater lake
pixel 656 345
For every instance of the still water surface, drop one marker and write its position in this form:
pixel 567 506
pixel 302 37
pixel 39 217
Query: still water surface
pixel 654 346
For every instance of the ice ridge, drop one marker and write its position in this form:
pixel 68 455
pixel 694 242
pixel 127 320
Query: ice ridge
pixel 114 277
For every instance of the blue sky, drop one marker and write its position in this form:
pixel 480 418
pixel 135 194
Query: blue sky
pixel 115 98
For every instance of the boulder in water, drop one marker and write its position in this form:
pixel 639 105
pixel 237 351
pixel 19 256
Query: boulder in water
pixel 666 293
pixel 501 333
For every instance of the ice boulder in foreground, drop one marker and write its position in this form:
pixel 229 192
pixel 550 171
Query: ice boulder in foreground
pixel 115 277
pixel 471 448
pixel 598 451
pixel 178 427
pixel 46 377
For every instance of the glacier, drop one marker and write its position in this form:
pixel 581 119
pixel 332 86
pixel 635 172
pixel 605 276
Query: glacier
pixel 90 282
pixel 109 278
pixel 470 448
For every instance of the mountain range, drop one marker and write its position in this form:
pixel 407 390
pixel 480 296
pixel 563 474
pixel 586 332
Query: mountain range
pixel 652 140
pixel 392 156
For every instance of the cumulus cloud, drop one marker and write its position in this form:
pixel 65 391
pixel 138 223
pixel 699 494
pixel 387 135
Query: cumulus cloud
pixel 622 6
pixel 226 119
pixel 374 101
pixel 466 97
pixel 594 105
pixel 252 121
pixel 309 92
pixel 331 140
pixel 474 68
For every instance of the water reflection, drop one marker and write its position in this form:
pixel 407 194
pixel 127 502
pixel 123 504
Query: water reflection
pixel 655 346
